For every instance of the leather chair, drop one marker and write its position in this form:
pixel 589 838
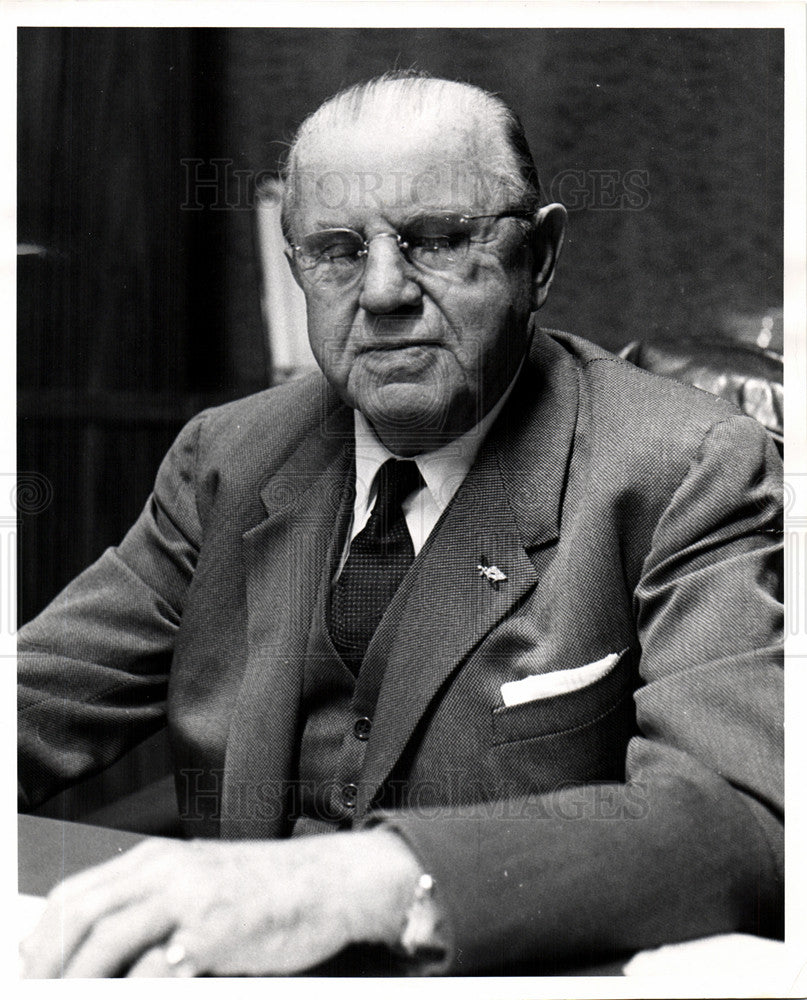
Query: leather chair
pixel 750 377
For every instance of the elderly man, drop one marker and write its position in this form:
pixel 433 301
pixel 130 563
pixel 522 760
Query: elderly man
pixel 492 608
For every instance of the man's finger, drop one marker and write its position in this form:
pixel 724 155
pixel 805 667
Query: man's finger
pixel 119 940
pixel 81 902
pixel 159 963
pixel 67 920
pixel 151 964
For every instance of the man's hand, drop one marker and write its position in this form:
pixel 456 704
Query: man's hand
pixel 239 908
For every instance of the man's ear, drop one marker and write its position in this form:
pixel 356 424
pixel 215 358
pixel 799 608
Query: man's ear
pixel 548 236
pixel 289 255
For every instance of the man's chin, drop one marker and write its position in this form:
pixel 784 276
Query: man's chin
pixel 408 417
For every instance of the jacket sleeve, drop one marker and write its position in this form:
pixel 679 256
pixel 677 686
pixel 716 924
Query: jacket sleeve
pixel 93 666
pixel 691 844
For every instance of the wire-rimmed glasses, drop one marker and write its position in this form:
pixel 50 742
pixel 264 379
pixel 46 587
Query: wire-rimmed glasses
pixel 437 243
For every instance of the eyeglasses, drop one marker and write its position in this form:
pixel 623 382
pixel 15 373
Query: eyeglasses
pixel 436 243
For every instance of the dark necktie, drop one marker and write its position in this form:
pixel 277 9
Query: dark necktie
pixel 379 557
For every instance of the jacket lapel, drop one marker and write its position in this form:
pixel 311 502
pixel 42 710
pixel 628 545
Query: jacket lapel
pixel 284 557
pixel 509 504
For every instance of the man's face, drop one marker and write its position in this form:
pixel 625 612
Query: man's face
pixel 423 353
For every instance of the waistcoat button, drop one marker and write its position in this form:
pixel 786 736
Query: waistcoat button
pixel 361 728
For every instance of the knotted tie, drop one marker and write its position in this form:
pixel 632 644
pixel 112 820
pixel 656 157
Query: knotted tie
pixel 379 557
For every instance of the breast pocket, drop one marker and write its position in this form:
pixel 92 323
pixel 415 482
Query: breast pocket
pixel 574 711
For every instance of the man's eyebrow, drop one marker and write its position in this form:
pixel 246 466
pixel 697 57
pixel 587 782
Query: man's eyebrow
pixel 432 213
pixel 318 225
pixel 407 219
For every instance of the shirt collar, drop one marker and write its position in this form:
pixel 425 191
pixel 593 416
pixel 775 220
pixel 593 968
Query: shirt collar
pixel 443 469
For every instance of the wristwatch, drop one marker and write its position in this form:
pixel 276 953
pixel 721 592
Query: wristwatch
pixel 421 926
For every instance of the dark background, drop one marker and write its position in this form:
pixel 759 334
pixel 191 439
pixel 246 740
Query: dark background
pixel 134 312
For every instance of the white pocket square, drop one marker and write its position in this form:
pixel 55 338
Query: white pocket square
pixel 538 686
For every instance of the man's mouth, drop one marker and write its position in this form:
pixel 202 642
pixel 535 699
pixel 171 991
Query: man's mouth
pixel 400 359
pixel 398 345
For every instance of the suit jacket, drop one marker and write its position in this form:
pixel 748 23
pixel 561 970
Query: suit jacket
pixel 630 515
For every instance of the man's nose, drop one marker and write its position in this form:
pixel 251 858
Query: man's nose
pixel 386 283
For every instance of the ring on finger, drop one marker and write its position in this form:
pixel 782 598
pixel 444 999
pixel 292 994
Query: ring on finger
pixel 178 960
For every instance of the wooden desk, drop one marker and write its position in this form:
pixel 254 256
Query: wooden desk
pixel 51 849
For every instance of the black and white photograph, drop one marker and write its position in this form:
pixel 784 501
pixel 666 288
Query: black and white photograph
pixel 399 513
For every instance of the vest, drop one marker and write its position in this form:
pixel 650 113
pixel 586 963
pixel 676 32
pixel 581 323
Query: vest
pixel 336 713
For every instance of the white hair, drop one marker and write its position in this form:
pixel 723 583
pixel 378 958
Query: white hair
pixel 387 98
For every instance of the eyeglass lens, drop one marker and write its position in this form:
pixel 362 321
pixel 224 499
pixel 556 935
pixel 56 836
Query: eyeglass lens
pixel 437 243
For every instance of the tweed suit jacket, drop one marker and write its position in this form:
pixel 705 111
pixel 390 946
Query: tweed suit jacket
pixel 630 515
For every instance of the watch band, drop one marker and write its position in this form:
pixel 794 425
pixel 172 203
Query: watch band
pixel 419 931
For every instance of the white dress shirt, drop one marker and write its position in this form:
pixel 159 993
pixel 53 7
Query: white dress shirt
pixel 443 471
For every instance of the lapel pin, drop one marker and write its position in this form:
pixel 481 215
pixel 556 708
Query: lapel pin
pixel 492 574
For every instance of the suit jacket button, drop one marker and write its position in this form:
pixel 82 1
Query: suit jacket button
pixel 349 795
pixel 362 727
